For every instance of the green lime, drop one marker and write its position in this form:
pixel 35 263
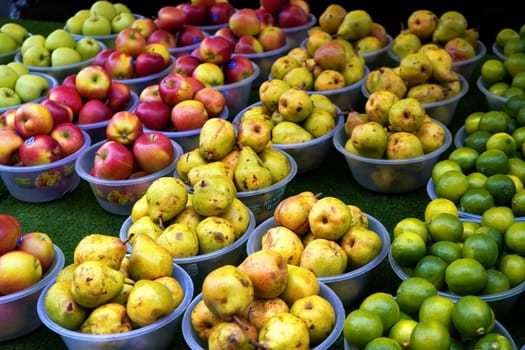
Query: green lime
pixel 515 63
pixel 494 161
pixel 496 235
pixel 430 334
pixel 445 227
pixel 446 250
pixel 465 157
pixel 493 121
pixel 451 185
pixel 472 316
pixel 408 248
pixel 431 268
pixel 501 187
pixel 476 179
pixel 502 141
pixel 513 265
pixel 499 88
pixel 385 305
pixel 492 340
pixel 518 203
pixel 412 292
pixel 493 70
pixel 472 121
pixel 499 217
pixel 469 228
pixel 476 201
pixel 362 326
pixel 383 343
pixel 497 282
pixel 442 167
pixel 513 104
pixel 481 247
pixel 513 91
pixel 401 332
pixel 517 167
pixel 514 238
pixel 520 119
pixel 437 308
pixel 465 276
pixel 478 140
pixel 411 224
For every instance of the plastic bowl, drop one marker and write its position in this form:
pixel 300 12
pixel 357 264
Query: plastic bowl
pixel 18 310
pixel 349 286
pixel 494 101
pixel 442 111
pixel 189 139
pixel 46 182
pixel 308 155
pixel 50 80
pixel 196 343
pixel 200 265
pixel 97 131
pixel 391 176
pixel 297 34
pixel 59 73
pixel 498 51
pixel 118 196
pixel 139 84
pixel 188 49
pixel 7 57
pixel 157 335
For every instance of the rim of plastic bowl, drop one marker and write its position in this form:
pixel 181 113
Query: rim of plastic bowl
pixel 265 54
pixel 340 137
pixel 251 78
pixel 54 269
pixel 42 167
pixel 176 51
pixel 9 54
pixel 52 83
pixel 97 181
pixel 496 50
pixel 100 37
pixel 157 75
pixel 459 137
pixel 481 84
pixel 312 19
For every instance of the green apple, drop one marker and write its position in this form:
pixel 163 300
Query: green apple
pixel 8 76
pixel 7 44
pixel 59 38
pixel 103 8
pixel 121 8
pixel 87 48
pixel 18 67
pixel 84 13
pixel 37 56
pixel 31 86
pixel 16 31
pixel 8 97
pixel 36 39
pixel 74 24
pixel 122 21
pixel 96 25
pixel 64 56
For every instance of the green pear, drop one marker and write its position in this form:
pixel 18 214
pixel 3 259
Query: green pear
pixel 385 78
pixel 324 102
pixel 354 69
pixel 214 233
pixel 187 161
pixel 148 302
pixel 315 40
pixel 292 212
pixel 255 133
pixel 213 195
pixel 331 55
pixel 369 139
pixel 451 24
pixel 62 308
pixel 332 17
pixel 107 249
pixel 407 114
pixel 361 245
pixel 431 135
pixel 238 214
pixel 285 241
pixel 216 138
pixel 301 283
pixel 232 335
pixel 324 257
pixel 403 145
pixel 320 122
pixel 180 240
pixel 441 64
pixel 405 43
pixel 270 91
pixel 188 216
pixel 283 65
pixel 329 79
pixel 415 68
pixel 354 118
pixel 109 318
pixel 166 197
pixel 300 78
pixel 276 162
pixel 284 331
pixel 250 173
pixel 422 23
pixel 287 132
pixel 66 274
pixel 144 224
pixel 329 218
pixel 355 25
pixel 427 92
pixel 460 49
pixel 378 104
pixel 206 170
pixel 203 320
pixel 368 44
pixel 148 259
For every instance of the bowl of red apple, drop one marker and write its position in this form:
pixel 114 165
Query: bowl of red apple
pixel 38 155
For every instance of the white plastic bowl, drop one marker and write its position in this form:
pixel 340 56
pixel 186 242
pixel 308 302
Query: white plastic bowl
pixel 50 80
pixel 494 101
pixel 498 51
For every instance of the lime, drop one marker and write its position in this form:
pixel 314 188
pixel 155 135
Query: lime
pixel 502 141
pixel 362 326
pixel 519 80
pixel 472 316
pixel 499 88
pixel 476 179
pixel 505 34
pixel 493 121
pixel 501 187
pixel 513 91
pixel 496 235
pixel 411 224
pixel 465 157
pixel 492 340
pixel 451 185
pixel 493 70
pixel 431 268
pixel 408 248
pixel 518 203
pixel 494 161
pixel 412 292
pixel 445 227
pixel 430 334
pixel 514 45
pixel 437 206
pixel 517 167
pixel 520 118
pixel 385 305
pixel 442 167
pixel 446 250
pixel 469 228
pixel 513 266
pixel 383 343
pixel 514 238
pixel 515 63
pixel 437 308
pixel 476 201
pixel 472 121
pixel 477 140
pixel 499 217
pixel 401 332
pixel 513 104
pixel 497 282
pixel 481 247
pixel 465 276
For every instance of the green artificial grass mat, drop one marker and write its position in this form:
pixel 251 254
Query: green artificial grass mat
pixel 77 214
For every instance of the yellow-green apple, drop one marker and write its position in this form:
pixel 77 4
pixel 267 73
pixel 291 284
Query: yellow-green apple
pixel 162 36
pixel 59 38
pixel 196 84
pixel 39 149
pixel 69 136
pixel 248 44
pixel 170 18
pixel 31 86
pixel 244 22
pixel 227 33
pixel 7 44
pixel 220 12
pixel 216 49
pixel 238 68
pixel 188 115
pixel 101 58
pixel 60 112
pixel 174 88
pixel 9 98
pixel 292 16
pixel 40 245
pixel 212 99
pixel 121 7
pixel 160 49
pixel 265 17
pixel 144 25
pixel 94 111
pixel 10 232
pixel 87 48
pixel 74 24
pixel 124 127
pixel 274 6
pixel 210 74
pixel 148 63
pixel 120 65
pixel 119 96
pixel 196 15
pixel 93 82
pixel 18 67
pixel 113 161
pixel 155 115
pixel 33 119
pixel 16 31
pixel 8 76
pixel 65 56
pixel 150 93
pixel 37 56
pixel 66 95
pixel 122 21
pixel 153 151
pixel 33 40
pixel 96 25
pixel 189 35
pixel 272 38
pixel 130 41
pixel 103 8
pixel 185 65
pixel 19 270
pixel 11 142
pixel 7 119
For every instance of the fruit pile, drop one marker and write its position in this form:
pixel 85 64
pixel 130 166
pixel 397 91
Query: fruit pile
pixel 504 78
pixel 509 41
pixel 19 85
pixel 12 35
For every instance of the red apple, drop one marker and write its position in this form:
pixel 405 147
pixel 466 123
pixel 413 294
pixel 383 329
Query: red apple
pixel 148 63
pixel 188 115
pixel 60 112
pixel 101 57
pixel 196 15
pixel 10 232
pixel 94 111
pixel 155 115
pixel 69 81
pixel 189 35
pixel 205 3
pixel 220 13
pixel 212 99
pixel 144 25
pixel 69 136
pixel 124 127
pixel 113 161
pixel 153 151
pixel 150 93
pixel 196 53
pixel 11 142
pixel 216 49
pixel 93 82
pixel 185 65
pixel 302 4
pixel 39 149
pixel 33 119
pixel 161 50
pixel 210 74
pixel 245 22
pixel 272 38
pixel 120 65
pixel 40 245
pixel 170 18
pixel 292 16
pixel 227 33
pixel 174 88
pixel 238 68
pixel 130 41
pixel 265 17
pixel 7 119
pixel 119 96
pixel 274 6
pixel 66 95
pixel 162 36
pixel 248 44
pixel 196 84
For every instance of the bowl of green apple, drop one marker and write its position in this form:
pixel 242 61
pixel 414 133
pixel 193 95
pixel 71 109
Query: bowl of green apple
pixel 11 37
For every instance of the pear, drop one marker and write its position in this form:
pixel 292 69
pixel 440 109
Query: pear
pixel 427 92
pixel 355 25
pixel 378 104
pixel 369 139
pixel 415 68
pixel 431 135
pixel 295 105
pixel 385 78
pixel 139 209
pixel 361 245
pixel 95 283
pixel 292 212
pixel 451 24
pixel 203 320
pixel 231 335
pixel 359 217
pixel 268 271
pixel 403 145
pixel 166 197
pixel 324 257
pixel 299 53
pixel 239 215
pixel 61 307
pixel 216 138
pixel 227 291
pixel 284 241
pixel 255 133
pixel 110 318
pixel 329 218
pixel 270 91
pixel 332 17
pixel 318 314
pixel 213 195
pixel 300 78
pixel 405 43
pixel 214 233
pixel 209 169
pixel 354 118
pixel 261 310
pixel 188 216
pixel 460 49
pixel 315 40
pixel 148 259
pixel 144 225
pixel 148 302
pixel 284 331
pixel 301 283
pixel 283 65
pixel 441 65
pixel 407 114
pixel 66 274
pixel 107 249
pixel 324 102
pixel 422 23
pixel 368 44
pixel 180 240
pixel 122 297
pixel 250 173
pixel 232 158
pixel 451 89
pixel 188 161
pixel 287 132
pixel 379 31
pixel 331 55
pixel 176 290
pixel 329 79
pixel 276 162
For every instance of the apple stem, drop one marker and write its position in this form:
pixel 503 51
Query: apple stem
pixel 318 194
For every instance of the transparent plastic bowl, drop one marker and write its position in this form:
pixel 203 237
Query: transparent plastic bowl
pixel 138 84
pixel 7 57
pixel 200 265
pixel 97 131
pixel 391 176
pixel 52 83
pixel 349 286
pixel 157 335
pixel 46 182
pixel 296 35
pixel 498 51
pixel 18 310
pixel 494 101
pixel 118 196
pixel 196 343
pixel 442 111
pixel 308 155
pixel 59 73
